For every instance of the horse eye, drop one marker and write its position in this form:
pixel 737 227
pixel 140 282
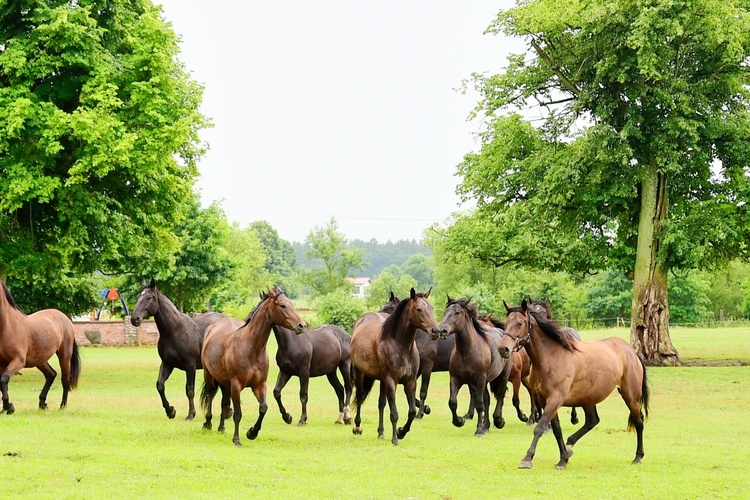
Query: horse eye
pixel 283 306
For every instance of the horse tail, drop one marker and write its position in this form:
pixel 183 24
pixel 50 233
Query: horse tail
pixel 75 366
pixel 359 397
pixel 208 391
pixel 644 397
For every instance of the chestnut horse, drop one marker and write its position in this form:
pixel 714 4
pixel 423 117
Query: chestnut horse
pixel 568 372
pixel 234 357
pixel 30 341
pixel 180 340
pixel 382 348
pixel 476 361
pixel 314 353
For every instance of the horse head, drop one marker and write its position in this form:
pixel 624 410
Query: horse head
pixel 282 311
pixel 421 315
pixel 147 304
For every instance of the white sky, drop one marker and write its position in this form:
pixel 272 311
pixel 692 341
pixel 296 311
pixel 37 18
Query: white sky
pixel 337 108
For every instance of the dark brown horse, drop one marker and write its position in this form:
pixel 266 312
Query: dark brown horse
pixel 542 307
pixel 476 361
pixel 568 372
pixel 30 341
pixel 382 348
pixel 314 353
pixel 434 356
pixel 234 357
pixel 180 340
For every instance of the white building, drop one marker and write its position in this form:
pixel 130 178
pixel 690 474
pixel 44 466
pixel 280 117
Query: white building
pixel 360 286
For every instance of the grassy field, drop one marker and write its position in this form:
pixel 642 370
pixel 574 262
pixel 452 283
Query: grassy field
pixel 114 441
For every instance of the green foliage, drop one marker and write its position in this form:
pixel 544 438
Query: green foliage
pixel 688 299
pixel 329 245
pixel 340 308
pixel 71 294
pixel 609 297
pixel 421 268
pixel 727 290
pixel 100 140
pixel 280 258
pixel 391 279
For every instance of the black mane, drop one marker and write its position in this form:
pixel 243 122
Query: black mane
pixel 10 299
pixel 390 325
pixel 550 329
pixel 473 313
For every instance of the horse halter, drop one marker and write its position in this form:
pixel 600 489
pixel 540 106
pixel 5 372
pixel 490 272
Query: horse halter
pixel 521 341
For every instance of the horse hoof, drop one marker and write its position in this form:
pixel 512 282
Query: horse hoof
pixel 381 437
pixel 10 409
pixel 220 430
pixel 207 427
pixel 560 466
pixel 401 433
pixel 302 423
pixel 459 422
pixel 171 412
pixel 526 464
pixel 252 433
pixel 394 441
pixel 237 443
pixel 357 431
pixel 499 423
pixel 427 409
pixel 523 418
pixel 480 434
pixel 190 417
pixel 348 421
pixel 569 450
pixel 43 406
pixel 287 418
pixel 636 461
pixel 574 420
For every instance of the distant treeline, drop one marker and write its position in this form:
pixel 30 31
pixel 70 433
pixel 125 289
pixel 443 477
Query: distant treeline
pixel 378 255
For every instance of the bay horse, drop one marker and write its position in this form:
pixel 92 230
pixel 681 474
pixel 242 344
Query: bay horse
pixel 180 340
pixel 476 361
pixel 568 372
pixel 234 356
pixel 382 348
pixel 30 341
pixel 314 353
pixel 434 356
pixel 542 307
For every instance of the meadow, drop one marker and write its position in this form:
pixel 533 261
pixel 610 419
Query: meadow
pixel 114 440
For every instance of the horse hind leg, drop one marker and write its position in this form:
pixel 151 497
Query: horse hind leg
pixel 304 383
pixel 424 409
pixel 190 392
pixel 281 382
pixel 226 408
pixel 591 421
pixel 49 377
pixel 382 399
pixel 346 374
pixel 11 369
pixel 339 389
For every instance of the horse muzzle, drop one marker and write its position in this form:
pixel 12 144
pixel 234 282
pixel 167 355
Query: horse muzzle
pixel 136 320
pixel 504 352
pixel 438 334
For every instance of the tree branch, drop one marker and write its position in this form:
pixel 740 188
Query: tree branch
pixel 563 79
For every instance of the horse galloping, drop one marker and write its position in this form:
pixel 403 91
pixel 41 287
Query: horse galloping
pixel 476 361
pixel 314 353
pixel 382 348
pixel 30 341
pixel 180 340
pixel 568 372
pixel 234 357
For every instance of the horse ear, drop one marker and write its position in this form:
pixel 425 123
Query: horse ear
pixel 524 305
pixel 507 307
pixel 143 283
pixel 489 316
pixel 153 283
pixel 428 293
pixel 393 297
pixel 546 300
pixel 448 299
pixel 413 293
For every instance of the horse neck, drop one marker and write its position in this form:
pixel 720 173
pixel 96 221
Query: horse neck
pixel 542 349
pixel 255 334
pixel 406 331
pixel 8 314
pixel 283 336
pixel 466 337
pixel 167 317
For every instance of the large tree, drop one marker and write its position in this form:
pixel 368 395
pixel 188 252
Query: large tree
pixel 99 141
pixel 329 245
pixel 638 156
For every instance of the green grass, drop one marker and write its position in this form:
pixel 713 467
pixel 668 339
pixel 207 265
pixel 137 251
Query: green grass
pixel 114 441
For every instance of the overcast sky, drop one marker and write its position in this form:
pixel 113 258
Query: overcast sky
pixel 337 108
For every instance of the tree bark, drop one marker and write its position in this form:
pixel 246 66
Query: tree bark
pixel 649 325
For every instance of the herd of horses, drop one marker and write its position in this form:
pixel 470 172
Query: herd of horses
pixel 394 346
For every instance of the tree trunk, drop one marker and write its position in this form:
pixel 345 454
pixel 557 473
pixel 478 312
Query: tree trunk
pixel 649 325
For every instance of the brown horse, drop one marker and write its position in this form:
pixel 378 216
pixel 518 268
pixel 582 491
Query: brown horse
pixel 30 341
pixel 568 372
pixel 475 361
pixel 382 348
pixel 234 356
pixel 542 307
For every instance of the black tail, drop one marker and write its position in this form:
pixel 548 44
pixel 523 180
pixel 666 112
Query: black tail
pixel 208 391
pixel 75 366
pixel 644 397
pixel 359 398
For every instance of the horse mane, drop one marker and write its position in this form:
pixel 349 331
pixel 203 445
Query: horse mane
pixel 543 303
pixel 10 299
pixel 390 325
pixel 263 297
pixel 473 313
pixel 550 329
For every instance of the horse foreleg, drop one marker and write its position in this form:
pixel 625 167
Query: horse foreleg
pixel 260 395
pixel 482 401
pixel 516 381
pixel 49 377
pixel 390 394
pixel 557 431
pixel 339 390
pixel 281 382
pixel 424 386
pixel 10 369
pixel 453 402
pixel 235 388
pixel 410 389
pixel 225 408
pixel 550 411
pixel 381 409
pixel 190 392
pixel 164 372
pixel 592 419
pixel 304 383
